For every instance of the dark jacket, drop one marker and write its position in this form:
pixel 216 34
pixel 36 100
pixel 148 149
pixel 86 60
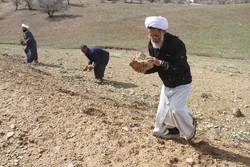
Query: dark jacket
pixel 97 55
pixel 31 47
pixel 175 70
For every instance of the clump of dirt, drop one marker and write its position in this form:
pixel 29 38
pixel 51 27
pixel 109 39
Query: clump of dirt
pixel 138 62
pixel 54 114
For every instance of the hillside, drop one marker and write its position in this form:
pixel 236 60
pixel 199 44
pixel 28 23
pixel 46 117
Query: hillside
pixel 59 116
pixel 217 31
pixel 54 114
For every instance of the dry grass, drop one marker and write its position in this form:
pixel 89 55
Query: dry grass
pixel 216 30
pixel 63 118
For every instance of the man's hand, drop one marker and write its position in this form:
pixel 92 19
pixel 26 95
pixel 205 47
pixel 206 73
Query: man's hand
pixel 22 41
pixel 88 68
pixel 140 70
pixel 154 60
pixel 139 63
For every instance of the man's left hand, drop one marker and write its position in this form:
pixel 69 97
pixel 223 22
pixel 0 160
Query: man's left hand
pixel 153 60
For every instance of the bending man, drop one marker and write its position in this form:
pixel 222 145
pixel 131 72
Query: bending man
pixel 168 54
pixel 99 57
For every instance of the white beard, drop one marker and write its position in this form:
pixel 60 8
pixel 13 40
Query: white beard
pixel 159 44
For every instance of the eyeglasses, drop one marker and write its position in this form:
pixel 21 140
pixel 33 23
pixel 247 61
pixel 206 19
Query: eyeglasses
pixel 154 36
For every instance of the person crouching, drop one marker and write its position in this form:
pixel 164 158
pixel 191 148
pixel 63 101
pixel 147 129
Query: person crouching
pixel 97 56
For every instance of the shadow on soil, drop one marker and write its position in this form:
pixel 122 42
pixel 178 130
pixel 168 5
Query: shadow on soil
pixel 49 65
pixel 217 153
pixel 62 17
pixel 206 149
pixel 14 57
pixel 40 71
pixel 117 84
pixel 22 59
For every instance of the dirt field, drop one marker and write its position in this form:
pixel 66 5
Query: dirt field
pixel 54 114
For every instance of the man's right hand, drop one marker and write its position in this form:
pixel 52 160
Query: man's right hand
pixel 85 68
pixel 22 41
pixel 154 60
pixel 88 68
pixel 140 70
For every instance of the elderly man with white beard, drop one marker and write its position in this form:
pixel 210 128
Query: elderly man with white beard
pixel 168 54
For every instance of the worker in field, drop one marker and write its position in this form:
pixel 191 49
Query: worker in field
pixel 168 55
pixel 98 60
pixel 29 42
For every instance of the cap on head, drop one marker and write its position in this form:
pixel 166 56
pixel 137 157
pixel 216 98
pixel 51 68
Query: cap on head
pixel 156 22
pixel 25 26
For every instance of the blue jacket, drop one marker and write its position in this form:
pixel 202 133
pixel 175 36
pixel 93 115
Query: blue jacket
pixel 31 47
pixel 97 55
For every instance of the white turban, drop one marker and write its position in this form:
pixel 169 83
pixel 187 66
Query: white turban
pixel 157 22
pixel 25 26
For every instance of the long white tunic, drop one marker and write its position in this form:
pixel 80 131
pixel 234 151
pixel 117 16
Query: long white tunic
pixel 173 111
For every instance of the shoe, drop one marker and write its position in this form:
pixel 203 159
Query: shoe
pixel 100 81
pixel 172 133
pixel 171 136
pixel 194 132
pixel 36 61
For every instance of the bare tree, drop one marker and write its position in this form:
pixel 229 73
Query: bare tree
pixel 16 3
pixel 51 6
pixel 29 4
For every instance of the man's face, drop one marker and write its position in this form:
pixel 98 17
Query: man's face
pixel 155 35
pixel 84 50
